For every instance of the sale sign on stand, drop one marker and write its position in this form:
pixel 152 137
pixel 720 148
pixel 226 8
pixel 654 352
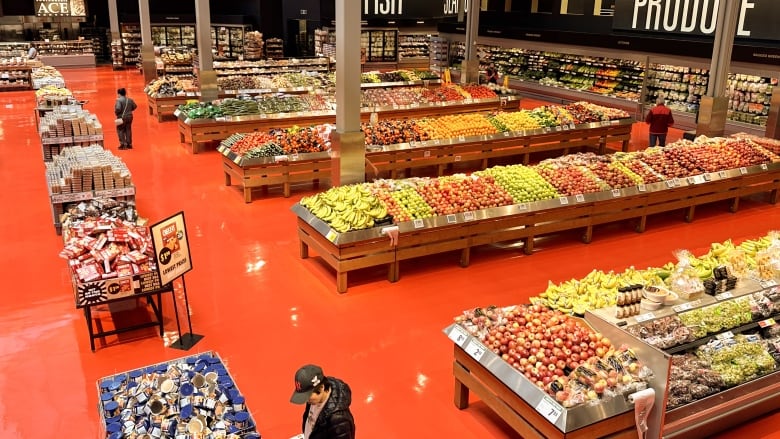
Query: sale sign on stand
pixel 172 248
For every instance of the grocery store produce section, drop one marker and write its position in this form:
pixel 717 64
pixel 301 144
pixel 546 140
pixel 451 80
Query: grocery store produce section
pixel 705 326
pixel 570 192
pixel 284 156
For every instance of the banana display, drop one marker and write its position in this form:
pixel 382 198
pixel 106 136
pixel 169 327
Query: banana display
pixel 599 289
pixel 346 208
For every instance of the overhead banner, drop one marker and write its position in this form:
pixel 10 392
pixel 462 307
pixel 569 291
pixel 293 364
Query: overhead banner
pixel 409 9
pixel 172 248
pixel 60 8
pixel 757 18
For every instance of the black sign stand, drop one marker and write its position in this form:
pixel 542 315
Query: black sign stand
pixel 187 340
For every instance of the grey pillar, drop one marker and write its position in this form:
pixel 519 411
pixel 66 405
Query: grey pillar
pixel 147 46
pixel 207 77
pixel 470 67
pixel 113 20
pixel 714 105
pixel 347 142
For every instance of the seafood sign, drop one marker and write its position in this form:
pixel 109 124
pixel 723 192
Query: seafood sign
pixel 172 248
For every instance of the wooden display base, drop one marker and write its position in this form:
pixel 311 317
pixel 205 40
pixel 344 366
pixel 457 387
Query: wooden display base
pixel 524 419
pixel 397 163
pixel 162 107
pixel 199 133
pixel 462 235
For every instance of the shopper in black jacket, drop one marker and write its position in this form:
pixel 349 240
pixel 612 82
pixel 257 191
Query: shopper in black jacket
pixel 327 400
pixel 123 109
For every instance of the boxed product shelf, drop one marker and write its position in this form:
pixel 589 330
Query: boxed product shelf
pixel 274 48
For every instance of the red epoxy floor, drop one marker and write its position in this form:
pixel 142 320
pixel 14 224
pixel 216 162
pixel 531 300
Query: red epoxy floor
pixel 264 309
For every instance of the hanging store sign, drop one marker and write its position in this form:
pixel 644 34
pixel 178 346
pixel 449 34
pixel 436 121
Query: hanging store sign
pixel 60 8
pixel 757 18
pixel 407 9
pixel 172 248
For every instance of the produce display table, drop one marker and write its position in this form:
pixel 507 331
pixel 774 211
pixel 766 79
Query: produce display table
pixel 160 107
pixel 198 132
pixel 396 160
pixel 366 248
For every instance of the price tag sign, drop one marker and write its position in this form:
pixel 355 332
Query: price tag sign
pixel 522 206
pixel 707 177
pixel 616 193
pixel 550 409
pixel 764 167
pixel 469 216
pixel 580 198
pixel 190 94
pixel 645 317
pixel 111 193
pixel 281 158
pixel 742 170
pixel 506 134
pixel 418 224
pixel 426 154
pixel 641 188
pixel 176 112
pixel 452 219
pixel 725 335
pixel 724 296
pixel 564 201
pixel 462 138
pixel 458 335
pixel 722 174
pixel 670 183
pixel 425 143
pixel 457 158
pixel 187 121
pixel 475 349
pixel 677 182
pixel 437 142
pixel 686 306
pixel 766 323
pixel 415 105
pixel 768 283
pixel 69 198
pixel 691 180
pixel 332 235
pixel 237 159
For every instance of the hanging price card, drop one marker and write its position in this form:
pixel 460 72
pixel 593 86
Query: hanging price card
pixel 580 198
pixel 458 335
pixel 418 224
pixel 452 219
pixel 550 409
pixel 564 201
pixel 475 349
pixel 644 317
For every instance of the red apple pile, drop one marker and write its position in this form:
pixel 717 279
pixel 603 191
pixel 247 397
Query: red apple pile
pixel 460 193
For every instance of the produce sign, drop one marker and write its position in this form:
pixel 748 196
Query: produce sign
pixel 571 175
pixel 558 353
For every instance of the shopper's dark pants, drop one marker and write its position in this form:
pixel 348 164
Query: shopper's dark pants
pixel 125 132
pixel 661 138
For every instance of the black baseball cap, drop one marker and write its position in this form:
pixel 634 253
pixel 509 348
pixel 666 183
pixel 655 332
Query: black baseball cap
pixel 307 379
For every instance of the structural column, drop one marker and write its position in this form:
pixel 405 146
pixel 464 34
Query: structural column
pixel 113 20
pixel 470 67
pixel 713 107
pixel 147 46
pixel 207 77
pixel 348 141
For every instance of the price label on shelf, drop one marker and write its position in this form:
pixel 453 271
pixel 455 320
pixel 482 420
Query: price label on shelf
pixel 237 159
pixel 768 283
pixel 616 193
pixel 506 134
pixel 281 158
pixel 580 198
pixel 475 349
pixel 425 143
pixel 426 154
pixel 418 223
pixel 641 188
pixel 176 112
pixel 572 126
pixel 187 120
pixel 670 183
pixel 437 142
pixel 644 317
pixel 725 335
pixel 415 105
pixel 764 167
pixel 95 138
pixel 190 94
pixel 396 107
pixel 331 235
pixel 742 170
pixel 457 158
pixel 111 193
pixel 766 323
pixel 563 200
pixel 458 335
pixel 462 138
pixel 722 174
pixel 707 177
pixel 452 219
pixel 677 181
pixel 550 409
pixel 522 206
pixel 691 180
pixel 469 216
pixel 69 198
pixel 686 306
pixel 724 296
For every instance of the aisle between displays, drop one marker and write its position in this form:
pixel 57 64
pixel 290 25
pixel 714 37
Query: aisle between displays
pixel 252 260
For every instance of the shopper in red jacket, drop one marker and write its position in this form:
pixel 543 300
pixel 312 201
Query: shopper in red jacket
pixel 660 119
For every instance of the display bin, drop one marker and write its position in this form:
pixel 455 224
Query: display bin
pixel 199 132
pixel 52 146
pixel 526 221
pixel 161 107
pixel 58 201
pixel 185 397
pixel 529 410
pixel 397 160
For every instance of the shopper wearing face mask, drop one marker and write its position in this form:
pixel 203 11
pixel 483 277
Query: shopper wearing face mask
pixel 327 399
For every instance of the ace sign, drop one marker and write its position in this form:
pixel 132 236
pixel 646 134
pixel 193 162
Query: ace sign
pixel 172 248
pixel 60 8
